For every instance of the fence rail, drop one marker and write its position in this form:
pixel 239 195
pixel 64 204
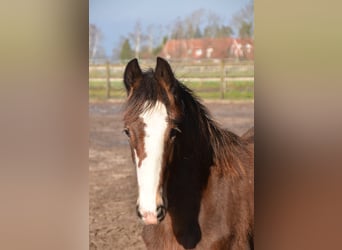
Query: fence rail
pixel 221 79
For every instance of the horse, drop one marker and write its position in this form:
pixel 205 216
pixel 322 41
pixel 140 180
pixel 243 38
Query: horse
pixel 195 179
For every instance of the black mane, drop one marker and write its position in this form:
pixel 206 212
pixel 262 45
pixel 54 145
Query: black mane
pixel 201 134
pixel 222 144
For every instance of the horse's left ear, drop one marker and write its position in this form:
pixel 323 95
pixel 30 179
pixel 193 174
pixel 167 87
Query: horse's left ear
pixel 164 72
pixel 132 74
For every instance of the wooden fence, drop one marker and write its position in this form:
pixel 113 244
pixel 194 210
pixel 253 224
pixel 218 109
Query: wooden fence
pixel 209 79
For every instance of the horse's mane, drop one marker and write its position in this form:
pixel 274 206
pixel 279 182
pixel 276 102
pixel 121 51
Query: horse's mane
pixel 224 145
pixel 145 95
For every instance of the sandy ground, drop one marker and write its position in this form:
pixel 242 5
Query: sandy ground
pixel 112 182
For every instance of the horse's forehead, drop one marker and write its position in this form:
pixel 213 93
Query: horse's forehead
pixel 156 112
pixel 147 115
pixel 154 124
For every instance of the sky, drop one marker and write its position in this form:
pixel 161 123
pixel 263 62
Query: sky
pixel 117 18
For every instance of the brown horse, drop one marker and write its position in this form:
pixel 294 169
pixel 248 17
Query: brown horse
pixel 195 179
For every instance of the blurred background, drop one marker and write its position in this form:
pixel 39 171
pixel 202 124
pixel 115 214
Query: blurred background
pixel 210 45
pixel 45 126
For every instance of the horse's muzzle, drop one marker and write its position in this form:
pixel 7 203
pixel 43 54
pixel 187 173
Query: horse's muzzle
pixel 152 217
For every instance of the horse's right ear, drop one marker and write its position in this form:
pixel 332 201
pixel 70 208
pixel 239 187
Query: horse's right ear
pixel 132 74
pixel 164 72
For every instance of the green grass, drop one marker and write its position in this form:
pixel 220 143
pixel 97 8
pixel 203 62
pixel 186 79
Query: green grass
pixel 101 94
pixel 97 90
pixel 232 95
pixel 180 74
pixel 239 69
pixel 235 90
pixel 103 84
pixel 103 74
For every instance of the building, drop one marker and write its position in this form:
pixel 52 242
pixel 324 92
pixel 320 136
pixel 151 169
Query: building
pixel 208 48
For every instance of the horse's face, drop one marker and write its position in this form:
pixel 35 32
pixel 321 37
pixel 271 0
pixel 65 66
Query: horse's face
pixel 151 132
pixel 147 137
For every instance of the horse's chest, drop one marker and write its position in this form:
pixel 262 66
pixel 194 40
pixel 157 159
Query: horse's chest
pixel 199 236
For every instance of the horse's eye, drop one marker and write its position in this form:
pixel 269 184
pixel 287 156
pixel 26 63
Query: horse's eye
pixel 174 132
pixel 126 131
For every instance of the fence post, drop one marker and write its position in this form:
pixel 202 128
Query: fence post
pixel 108 79
pixel 223 84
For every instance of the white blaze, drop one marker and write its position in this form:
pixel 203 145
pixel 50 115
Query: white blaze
pixel 148 173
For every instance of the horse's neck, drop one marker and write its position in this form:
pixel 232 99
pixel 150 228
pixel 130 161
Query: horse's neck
pixel 188 177
pixel 195 154
pixel 195 142
pixel 190 168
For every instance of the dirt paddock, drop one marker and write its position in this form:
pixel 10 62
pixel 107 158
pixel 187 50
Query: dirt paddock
pixel 112 182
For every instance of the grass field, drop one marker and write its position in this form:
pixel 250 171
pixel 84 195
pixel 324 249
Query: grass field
pixel 186 69
pixel 180 74
pixel 235 90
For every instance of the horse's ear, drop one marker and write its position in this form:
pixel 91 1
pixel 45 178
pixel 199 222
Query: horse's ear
pixel 132 73
pixel 164 72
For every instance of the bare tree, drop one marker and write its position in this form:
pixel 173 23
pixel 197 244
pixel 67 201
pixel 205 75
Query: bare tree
pixel 178 30
pixel 136 37
pixel 193 22
pixel 150 38
pixel 243 20
pixel 213 25
pixel 187 27
pixel 95 38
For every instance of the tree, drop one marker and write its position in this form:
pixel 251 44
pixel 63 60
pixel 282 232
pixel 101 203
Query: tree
pixel 243 20
pixel 225 31
pixel 192 24
pixel 137 38
pixel 126 52
pixel 245 30
pixel 213 25
pixel 159 48
pixel 178 31
pixel 198 33
pixel 151 40
pixel 188 27
pixel 96 51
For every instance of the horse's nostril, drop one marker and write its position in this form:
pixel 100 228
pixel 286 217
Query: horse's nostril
pixel 138 212
pixel 148 216
pixel 161 212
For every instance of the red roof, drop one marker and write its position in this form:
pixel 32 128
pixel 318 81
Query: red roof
pixel 208 48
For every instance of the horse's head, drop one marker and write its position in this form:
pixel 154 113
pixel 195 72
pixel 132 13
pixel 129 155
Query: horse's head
pixel 151 118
